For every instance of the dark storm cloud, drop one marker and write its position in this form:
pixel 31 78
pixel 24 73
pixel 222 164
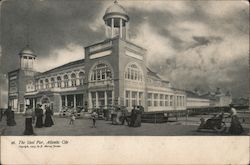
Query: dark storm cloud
pixel 204 41
pixel 52 25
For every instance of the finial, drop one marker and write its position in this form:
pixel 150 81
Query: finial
pixel 115 2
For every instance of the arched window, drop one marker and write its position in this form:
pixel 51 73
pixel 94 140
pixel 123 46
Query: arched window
pixel 81 78
pixel 66 81
pixel 133 72
pixel 41 84
pixel 46 83
pixel 73 79
pixel 59 81
pixel 52 80
pixel 100 72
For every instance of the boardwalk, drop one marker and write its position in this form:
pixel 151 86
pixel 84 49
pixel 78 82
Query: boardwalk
pixel 105 128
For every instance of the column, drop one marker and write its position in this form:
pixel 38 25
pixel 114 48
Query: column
pixel 105 99
pixel 126 29
pixel 24 104
pixel 137 98
pixel 130 98
pixel 77 80
pixel 90 100
pixel 169 100
pixel 106 29
pixel 185 101
pixel 182 101
pixel 66 101
pixel 34 105
pixel 74 101
pixel 97 99
pixel 113 97
pixel 153 100
pixel 112 27
pixel 120 28
pixel 163 100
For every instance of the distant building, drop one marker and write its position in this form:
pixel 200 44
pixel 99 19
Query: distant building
pixel 3 91
pixel 114 72
pixel 194 100
pixel 240 101
pixel 218 98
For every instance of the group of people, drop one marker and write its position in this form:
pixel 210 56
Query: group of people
pixel 37 115
pixel 235 125
pixel 121 115
pixel 136 115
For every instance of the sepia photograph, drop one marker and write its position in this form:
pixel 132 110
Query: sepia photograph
pixel 124 82
pixel 124 68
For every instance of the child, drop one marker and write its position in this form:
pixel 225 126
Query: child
pixel 94 116
pixel 72 118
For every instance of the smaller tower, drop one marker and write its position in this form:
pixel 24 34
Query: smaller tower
pixel 116 21
pixel 27 58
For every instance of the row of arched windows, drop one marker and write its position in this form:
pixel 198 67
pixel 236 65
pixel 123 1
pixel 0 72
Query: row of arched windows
pixel 100 72
pixel 103 72
pixel 133 72
pixel 62 81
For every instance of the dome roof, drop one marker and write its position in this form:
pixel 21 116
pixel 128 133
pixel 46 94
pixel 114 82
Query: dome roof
pixel 27 50
pixel 116 8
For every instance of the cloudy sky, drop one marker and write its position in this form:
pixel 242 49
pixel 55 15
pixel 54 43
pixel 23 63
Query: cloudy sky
pixel 194 44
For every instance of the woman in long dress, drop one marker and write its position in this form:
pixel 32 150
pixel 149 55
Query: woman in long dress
pixel 10 117
pixel 48 119
pixel 39 117
pixel 138 113
pixel 235 127
pixel 133 117
pixel 28 122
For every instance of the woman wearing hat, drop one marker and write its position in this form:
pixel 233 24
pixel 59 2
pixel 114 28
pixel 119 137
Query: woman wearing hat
pixel 235 127
pixel 39 116
pixel 28 122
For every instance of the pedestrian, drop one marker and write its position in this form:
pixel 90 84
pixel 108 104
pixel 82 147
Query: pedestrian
pixel 39 116
pixel 10 117
pixel 133 117
pixel 94 116
pixel 235 127
pixel 138 115
pixel 72 118
pixel 125 117
pixel 33 115
pixel 1 114
pixel 28 122
pixel 48 119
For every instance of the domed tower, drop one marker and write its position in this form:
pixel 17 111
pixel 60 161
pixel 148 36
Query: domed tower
pixel 27 58
pixel 116 21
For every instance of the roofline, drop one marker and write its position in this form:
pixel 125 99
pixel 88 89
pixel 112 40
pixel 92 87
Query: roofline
pixel 61 66
pixel 14 71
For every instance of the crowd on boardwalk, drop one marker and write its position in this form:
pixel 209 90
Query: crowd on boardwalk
pixel 119 115
pixel 32 117
pixel 37 117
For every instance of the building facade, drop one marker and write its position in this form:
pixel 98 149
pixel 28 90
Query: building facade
pixel 114 72
pixel 196 101
pixel 3 91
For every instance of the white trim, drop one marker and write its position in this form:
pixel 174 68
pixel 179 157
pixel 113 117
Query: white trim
pixel 100 54
pixel 134 55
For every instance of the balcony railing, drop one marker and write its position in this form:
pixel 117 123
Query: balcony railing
pixel 101 83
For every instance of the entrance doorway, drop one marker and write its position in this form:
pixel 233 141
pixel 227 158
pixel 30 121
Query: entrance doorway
pixel 45 101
